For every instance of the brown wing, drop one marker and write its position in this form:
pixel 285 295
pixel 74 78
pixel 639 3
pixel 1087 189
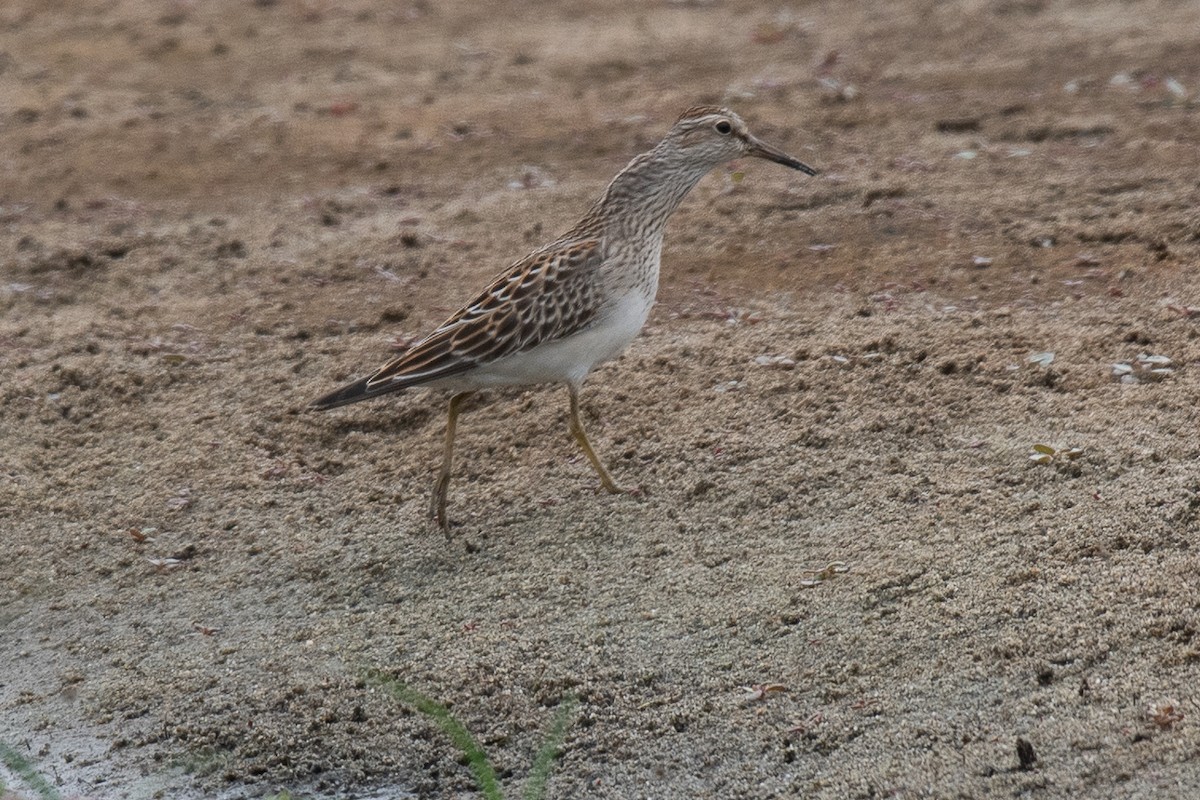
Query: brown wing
pixel 547 295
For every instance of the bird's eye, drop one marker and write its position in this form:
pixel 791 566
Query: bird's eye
pixel 723 127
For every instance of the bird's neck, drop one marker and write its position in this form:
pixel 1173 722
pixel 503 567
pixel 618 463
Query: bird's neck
pixel 642 197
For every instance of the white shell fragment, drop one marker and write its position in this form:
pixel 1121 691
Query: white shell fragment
pixel 1144 368
pixel 775 362
pixel 1042 359
pixel 1045 454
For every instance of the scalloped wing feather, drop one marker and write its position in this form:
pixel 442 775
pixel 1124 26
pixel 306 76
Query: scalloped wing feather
pixel 548 295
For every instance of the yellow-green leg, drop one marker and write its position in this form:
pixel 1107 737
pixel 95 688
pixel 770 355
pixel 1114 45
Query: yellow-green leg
pixel 437 504
pixel 581 437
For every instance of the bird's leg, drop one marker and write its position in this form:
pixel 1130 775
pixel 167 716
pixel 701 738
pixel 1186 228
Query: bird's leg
pixel 581 437
pixel 437 504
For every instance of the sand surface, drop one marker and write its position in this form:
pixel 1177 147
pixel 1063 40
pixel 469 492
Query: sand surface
pixel 212 212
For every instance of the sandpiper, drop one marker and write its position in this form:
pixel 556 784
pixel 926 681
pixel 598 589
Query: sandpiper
pixel 574 303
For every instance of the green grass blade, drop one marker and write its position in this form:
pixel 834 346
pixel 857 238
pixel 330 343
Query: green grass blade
pixel 535 789
pixel 477 760
pixel 25 771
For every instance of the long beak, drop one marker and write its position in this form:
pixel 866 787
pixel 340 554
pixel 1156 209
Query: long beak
pixel 760 149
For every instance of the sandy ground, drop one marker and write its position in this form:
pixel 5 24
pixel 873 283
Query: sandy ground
pixel 212 212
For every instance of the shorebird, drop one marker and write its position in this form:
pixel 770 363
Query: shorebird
pixel 574 303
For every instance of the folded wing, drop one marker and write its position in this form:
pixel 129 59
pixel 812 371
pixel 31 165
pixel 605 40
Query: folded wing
pixel 548 295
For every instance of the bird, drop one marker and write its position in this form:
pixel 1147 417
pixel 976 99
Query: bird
pixel 554 315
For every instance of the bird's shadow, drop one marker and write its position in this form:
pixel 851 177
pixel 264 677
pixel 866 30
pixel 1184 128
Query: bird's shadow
pixel 396 419
pixel 402 417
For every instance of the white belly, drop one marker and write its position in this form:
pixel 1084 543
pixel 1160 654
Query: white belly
pixel 567 360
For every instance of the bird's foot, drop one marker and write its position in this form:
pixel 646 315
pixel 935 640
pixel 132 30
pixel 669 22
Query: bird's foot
pixel 437 513
pixel 612 488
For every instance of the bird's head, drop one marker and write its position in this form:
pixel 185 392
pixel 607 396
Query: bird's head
pixel 715 135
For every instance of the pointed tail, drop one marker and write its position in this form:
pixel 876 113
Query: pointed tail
pixel 354 392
